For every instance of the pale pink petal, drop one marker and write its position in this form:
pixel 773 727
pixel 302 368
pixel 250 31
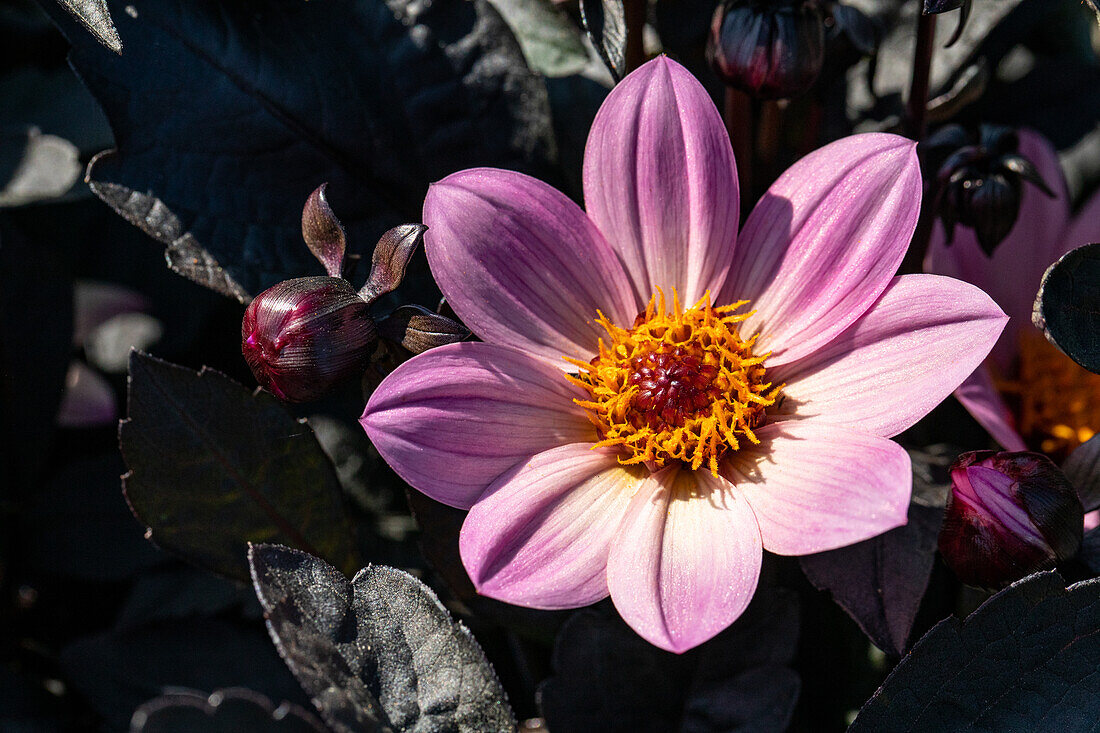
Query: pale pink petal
pixel 539 537
pixel 825 241
pixel 982 400
pixel 661 183
pixel 686 560
pixel 522 265
pixel 453 419
pixel 815 486
pixel 1012 275
pixel 1085 226
pixel 899 360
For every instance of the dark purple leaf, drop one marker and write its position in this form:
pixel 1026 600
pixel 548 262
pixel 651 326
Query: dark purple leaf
pixel 379 652
pixel 1067 308
pixel 1025 660
pixel 227 115
pixel 419 329
pixel 606 677
pixel 605 22
pixel 1082 468
pixel 213 467
pixel 94 15
pixel 941 6
pixel 323 232
pixel 233 710
pixel 880 582
pixel 390 259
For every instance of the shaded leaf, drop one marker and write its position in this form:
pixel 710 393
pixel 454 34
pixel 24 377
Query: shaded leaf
pixel 262 100
pixel 880 582
pixel 379 652
pixel 419 329
pixel 233 710
pixel 606 677
pixel 213 467
pixel 1067 308
pixel 1025 660
pixel 1082 468
pixel 179 591
pixel 605 22
pixel 47 167
pixel 551 42
pixel 94 15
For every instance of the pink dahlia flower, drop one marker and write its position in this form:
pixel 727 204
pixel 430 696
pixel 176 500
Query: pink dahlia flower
pixel 1052 403
pixel 659 398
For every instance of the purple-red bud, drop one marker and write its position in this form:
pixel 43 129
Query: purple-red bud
pixel 769 49
pixel 303 336
pixel 980 184
pixel 1008 515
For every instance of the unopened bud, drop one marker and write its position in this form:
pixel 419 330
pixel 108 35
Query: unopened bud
pixel 1008 515
pixel 303 336
pixel 980 185
pixel 769 49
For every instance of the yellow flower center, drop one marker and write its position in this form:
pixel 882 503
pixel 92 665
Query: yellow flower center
pixel 680 385
pixel 1057 401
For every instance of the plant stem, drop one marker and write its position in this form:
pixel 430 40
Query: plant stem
pixel 917 105
pixel 738 116
pixel 634 18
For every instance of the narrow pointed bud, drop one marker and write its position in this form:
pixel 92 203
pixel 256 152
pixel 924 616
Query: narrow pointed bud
pixel 390 259
pixel 418 329
pixel 323 232
pixel 1008 515
pixel 769 49
pixel 301 337
pixel 979 185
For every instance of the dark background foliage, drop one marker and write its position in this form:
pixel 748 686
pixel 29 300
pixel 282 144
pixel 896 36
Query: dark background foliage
pixel 223 116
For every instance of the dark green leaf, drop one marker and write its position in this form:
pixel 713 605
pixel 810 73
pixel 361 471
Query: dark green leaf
pixel 550 40
pixel 227 115
pixel 213 467
pixel 1067 308
pixel 1082 468
pixel 234 710
pixel 1025 660
pixel 379 652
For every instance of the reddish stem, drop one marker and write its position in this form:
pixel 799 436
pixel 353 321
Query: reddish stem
pixel 917 105
pixel 738 115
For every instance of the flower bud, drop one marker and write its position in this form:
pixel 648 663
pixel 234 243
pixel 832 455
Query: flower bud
pixel 769 49
pixel 1008 515
pixel 980 185
pixel 303 336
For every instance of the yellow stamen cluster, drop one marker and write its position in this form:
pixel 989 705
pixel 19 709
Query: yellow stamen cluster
pixel 1057 401
pixel 680 385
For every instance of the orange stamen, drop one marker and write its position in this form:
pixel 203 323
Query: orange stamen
pixel 680 385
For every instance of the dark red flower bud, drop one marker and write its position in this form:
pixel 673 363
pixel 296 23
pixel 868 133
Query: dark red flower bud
pixel 1008 515
pixel 303 336
pixel 979 185
pixel 769 49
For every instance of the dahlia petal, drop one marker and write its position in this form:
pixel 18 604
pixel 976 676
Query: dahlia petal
pixel 661 183
pixel 815 486
pixel 825 241
pixel 540 535
pixel 522 265
pixel 453 419
pixel 1011 276
pixel 982 400
pixel 904 356
pixel 686 560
